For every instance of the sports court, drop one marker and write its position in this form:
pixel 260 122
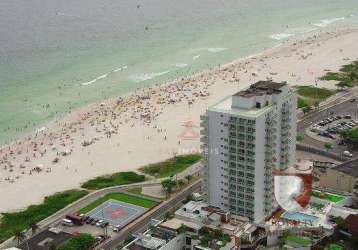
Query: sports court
pixel 116 212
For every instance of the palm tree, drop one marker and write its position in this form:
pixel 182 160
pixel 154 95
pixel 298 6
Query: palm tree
pixel 105 229
pixel 188 178
pixel 34 227
pixel 51 246
pixel 19 236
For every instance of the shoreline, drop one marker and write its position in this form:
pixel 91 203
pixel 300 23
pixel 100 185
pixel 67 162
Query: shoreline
pixel 150 121
pixel 51 124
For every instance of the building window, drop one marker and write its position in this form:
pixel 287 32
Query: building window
pixel 188 241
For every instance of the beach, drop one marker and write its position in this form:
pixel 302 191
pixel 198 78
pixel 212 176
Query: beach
pixel 156 122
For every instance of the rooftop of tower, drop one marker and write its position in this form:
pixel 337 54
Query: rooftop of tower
pixel 262 88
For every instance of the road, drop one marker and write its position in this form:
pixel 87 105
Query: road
pixel 141 224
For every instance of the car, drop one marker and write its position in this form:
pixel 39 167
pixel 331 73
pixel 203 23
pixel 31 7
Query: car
pixel 347 117
pixel 353 100
pixel 67 222
pixel 347 127
pixel 341 142
pixel 99 223
pixel 339 117
pixel 94 222
pixel 104 224
pixel 347 153
pixel 351 124
pixel 89 220
pixel 100 238
pixel 117 228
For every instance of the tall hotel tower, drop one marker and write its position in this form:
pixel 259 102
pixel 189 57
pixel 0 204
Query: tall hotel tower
pixel 244 137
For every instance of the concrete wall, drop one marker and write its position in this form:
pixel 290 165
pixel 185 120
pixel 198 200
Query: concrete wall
pixel 217 130
pixel 259 199
pixel 337 180
pixel 175 244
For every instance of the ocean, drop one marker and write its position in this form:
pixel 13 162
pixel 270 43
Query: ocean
pixel 59 55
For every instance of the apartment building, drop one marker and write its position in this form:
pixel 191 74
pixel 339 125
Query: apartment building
pixel 244 137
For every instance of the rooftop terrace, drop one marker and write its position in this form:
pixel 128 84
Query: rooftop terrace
pixel 262 88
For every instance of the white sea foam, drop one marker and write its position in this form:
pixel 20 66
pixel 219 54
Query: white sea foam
pixel 196 57
pixel 120 69
pixel 94 80
pixel 103 76
pixel 146 76
pixel 281 36
pixel 216 50
pixel 181 65
pixel 326 22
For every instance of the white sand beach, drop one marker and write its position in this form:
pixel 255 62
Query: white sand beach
pixel 155 123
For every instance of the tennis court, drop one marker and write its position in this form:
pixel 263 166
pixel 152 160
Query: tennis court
pixel 117 212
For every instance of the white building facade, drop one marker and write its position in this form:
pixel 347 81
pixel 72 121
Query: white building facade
pixel 245 137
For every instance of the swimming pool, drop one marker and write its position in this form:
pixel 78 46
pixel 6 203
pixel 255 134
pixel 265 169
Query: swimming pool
pixel 300 217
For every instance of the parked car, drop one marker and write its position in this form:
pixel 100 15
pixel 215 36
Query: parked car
pixel 117 228
pixel 341 142
pixel 351 124
pixel 100 238
pixel 348 154
pixel 104 224
pixel 67 222
pixel 89 221
pixel 99 223
pixel 347 117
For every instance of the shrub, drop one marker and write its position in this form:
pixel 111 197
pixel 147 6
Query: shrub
pixel 121 178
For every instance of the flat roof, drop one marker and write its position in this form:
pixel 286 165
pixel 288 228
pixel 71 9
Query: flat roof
pixel 176 223
pixel 349 168
pixel 262 88
pixel 225 106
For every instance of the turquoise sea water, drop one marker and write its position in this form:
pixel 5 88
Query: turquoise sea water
pixel 58 55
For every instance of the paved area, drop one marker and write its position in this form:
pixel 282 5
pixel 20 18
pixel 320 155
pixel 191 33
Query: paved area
pixel 309 156
pixel 116 212
pixel 346 107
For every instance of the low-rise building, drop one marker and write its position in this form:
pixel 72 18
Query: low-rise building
pixel 197 226
pixel 342 178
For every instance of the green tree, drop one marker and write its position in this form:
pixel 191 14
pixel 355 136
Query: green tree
pixel 316 105
pixel 80 242
pixel 52 246
pixel 351 137
pixel 181 183
pixel 34 227
pixel 182 229
pixel 188 178
pixel 300 137
pixel 168 186
pixel 306 110
pixel 328 146
pixel 20 236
